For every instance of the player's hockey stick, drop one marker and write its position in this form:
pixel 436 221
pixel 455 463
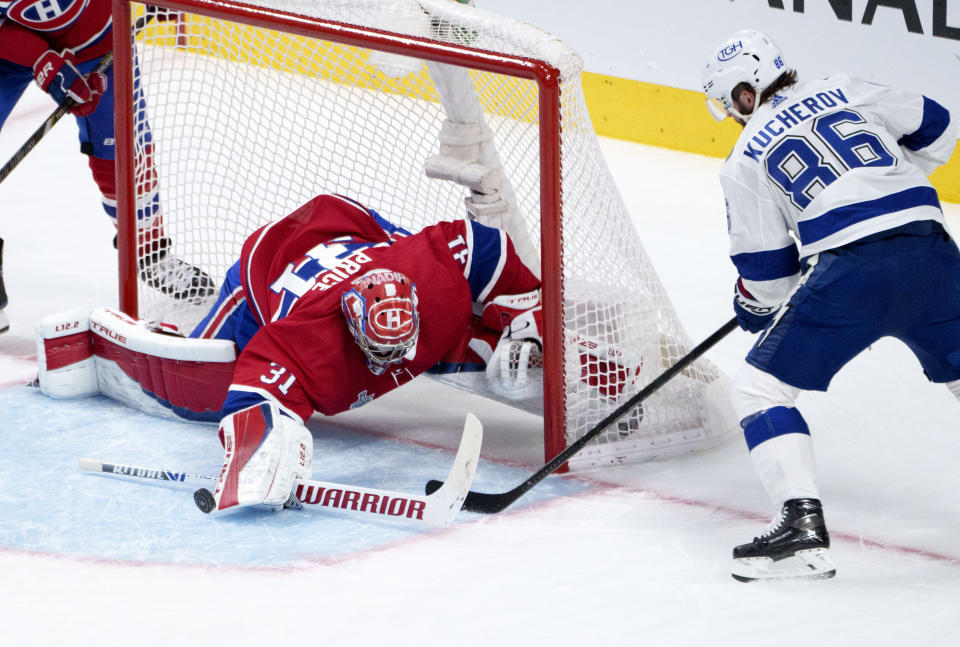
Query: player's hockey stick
pixel 493 503
pixel 63 108
pixel 47 124
pixel 437 509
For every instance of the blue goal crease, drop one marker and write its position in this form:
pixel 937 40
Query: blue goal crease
pixel 107 518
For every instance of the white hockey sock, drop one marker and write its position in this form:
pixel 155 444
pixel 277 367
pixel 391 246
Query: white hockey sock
pixel 954 388
pixel 785 466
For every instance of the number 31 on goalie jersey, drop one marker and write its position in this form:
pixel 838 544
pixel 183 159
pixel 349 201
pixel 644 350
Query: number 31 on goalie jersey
pixel 276 373
pixel 801 166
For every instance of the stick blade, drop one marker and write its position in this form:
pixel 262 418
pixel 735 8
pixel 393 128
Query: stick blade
pixel 476 501
pixel 489 503
pixel 447 498
pixel 466 498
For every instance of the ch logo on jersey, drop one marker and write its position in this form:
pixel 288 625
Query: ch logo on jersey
pixel 46 15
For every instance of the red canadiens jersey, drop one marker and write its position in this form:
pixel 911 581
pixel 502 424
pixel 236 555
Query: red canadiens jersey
pixel 28 28
pixel 294 272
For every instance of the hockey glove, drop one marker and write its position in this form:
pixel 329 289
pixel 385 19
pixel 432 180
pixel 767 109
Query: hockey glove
pixel 57 75
pixel 752 315
pixel 265 452
pixel 502 310
pixel 515 370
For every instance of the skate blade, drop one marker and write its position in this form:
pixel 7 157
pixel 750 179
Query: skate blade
pixel 813 564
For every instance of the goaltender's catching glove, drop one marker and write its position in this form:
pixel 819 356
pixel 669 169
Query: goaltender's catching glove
pixel 515 370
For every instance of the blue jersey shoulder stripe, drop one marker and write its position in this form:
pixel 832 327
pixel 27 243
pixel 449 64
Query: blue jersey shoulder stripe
pixel 486 259
pixel 382 222
pixel 388 226
pixel 830 222
pixel 768 265
pixel 237 400
pixel 935 120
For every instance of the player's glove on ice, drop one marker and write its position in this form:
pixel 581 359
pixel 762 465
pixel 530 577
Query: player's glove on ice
pixel 57 75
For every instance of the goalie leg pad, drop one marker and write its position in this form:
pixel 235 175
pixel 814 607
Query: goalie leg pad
pixel 66 365
pixel 265 451
pixel 86 352
pixel 160 373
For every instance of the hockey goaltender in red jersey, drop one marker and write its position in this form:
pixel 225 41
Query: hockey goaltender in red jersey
pixel 329 308
pixel 348 307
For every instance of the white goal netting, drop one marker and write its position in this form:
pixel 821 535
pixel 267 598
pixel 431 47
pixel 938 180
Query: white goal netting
pixel 247 123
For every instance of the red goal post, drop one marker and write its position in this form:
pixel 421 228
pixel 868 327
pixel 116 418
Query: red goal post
pixel 593 357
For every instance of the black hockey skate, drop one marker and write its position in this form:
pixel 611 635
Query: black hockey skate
pixel 795 546
pixel 175 277
pixel 4 322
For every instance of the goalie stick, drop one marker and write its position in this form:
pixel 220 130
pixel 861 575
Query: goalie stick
pixel 437 509
pixel 493 503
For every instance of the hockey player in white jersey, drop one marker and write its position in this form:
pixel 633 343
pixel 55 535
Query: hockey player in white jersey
pixel 838 239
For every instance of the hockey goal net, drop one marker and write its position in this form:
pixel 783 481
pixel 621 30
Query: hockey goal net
pixel 232 115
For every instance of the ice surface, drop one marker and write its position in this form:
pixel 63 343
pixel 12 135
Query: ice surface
pixel 630 556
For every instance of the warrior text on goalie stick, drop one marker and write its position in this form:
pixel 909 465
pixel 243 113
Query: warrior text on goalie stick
pixel 437 509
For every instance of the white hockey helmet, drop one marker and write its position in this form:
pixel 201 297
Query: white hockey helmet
pixel 746 57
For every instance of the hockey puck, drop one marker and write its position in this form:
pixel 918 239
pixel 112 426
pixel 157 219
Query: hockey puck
pixel 204 500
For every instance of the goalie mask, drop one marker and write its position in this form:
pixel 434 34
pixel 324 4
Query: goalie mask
pixel 746 57
pixel 381 312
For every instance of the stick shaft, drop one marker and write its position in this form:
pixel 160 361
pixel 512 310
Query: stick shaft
pixel 493 503
pixel 146 474
pixel 437 509
pixel 105 64
pixel 645 393
pixel 47 124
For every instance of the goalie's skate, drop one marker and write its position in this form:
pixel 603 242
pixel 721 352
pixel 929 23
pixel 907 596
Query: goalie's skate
pixel 794 546
pixel 175 277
